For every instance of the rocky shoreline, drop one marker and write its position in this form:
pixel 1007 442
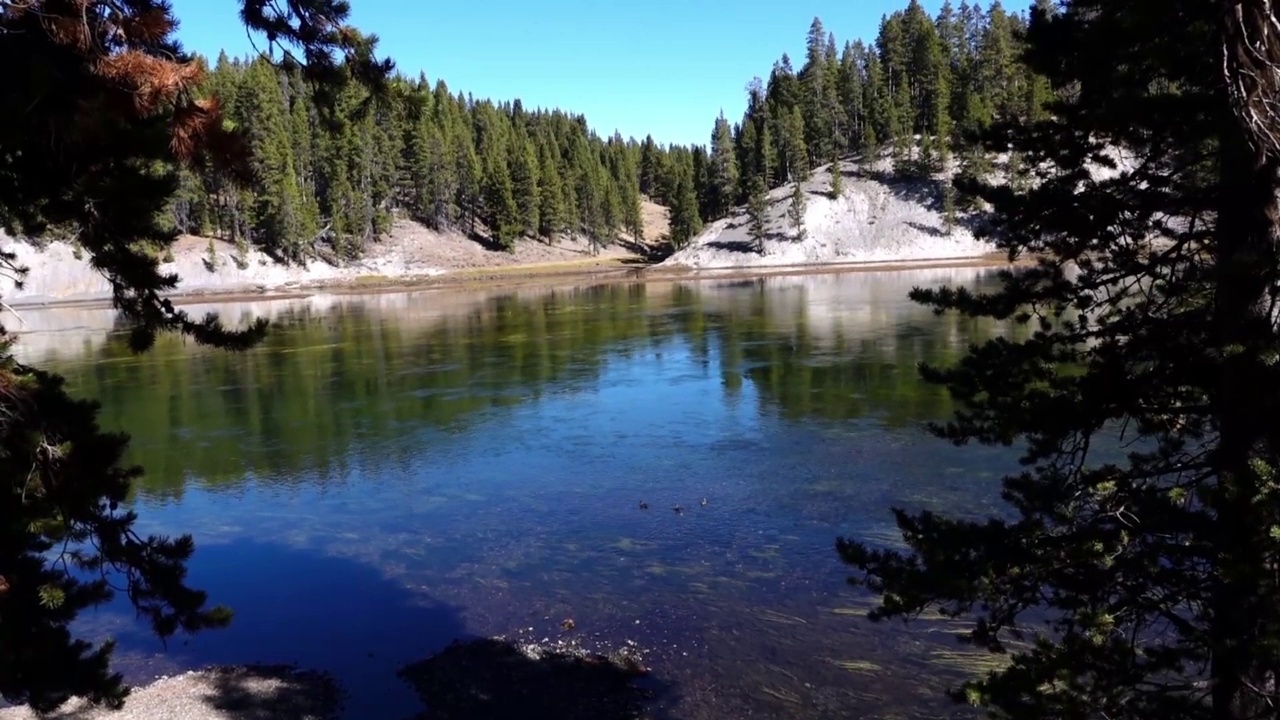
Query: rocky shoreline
pixel 473 680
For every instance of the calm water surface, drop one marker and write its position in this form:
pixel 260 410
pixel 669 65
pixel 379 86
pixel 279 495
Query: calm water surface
pixel 389 473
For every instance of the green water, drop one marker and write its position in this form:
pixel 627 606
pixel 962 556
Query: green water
pixel 391 472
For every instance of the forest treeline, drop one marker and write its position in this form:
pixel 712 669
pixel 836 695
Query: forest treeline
pixel 924 89
pixel 445 159
pixel 503 172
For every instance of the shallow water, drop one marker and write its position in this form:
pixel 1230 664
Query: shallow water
pixel 392 472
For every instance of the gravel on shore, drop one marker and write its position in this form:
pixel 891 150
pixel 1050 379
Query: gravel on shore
pixel 225 693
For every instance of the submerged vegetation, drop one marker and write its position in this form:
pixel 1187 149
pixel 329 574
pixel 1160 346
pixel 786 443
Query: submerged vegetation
pixel 296 391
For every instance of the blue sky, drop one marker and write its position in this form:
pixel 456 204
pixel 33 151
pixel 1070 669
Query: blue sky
pixel 665 67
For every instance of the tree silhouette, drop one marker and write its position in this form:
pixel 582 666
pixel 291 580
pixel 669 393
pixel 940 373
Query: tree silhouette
pixel 109 109
pixel 1140 582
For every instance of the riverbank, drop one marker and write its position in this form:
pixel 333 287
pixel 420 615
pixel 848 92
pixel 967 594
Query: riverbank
pixel 596 271
pixel 877 223
pixel 217 693
pixel 878 216
pixel 473 680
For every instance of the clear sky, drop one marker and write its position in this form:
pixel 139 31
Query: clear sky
pixel 665 67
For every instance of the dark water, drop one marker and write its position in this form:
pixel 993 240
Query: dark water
pixel 393 472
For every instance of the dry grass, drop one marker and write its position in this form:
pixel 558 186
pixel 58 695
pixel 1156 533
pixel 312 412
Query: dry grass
pixel 655 220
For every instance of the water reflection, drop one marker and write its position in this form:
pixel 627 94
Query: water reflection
pixel 489 451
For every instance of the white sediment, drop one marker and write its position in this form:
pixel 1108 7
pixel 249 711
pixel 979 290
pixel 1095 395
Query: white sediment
pixel 875 220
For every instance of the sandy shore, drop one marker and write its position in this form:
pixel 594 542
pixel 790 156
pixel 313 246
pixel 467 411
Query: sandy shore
pixel 593 271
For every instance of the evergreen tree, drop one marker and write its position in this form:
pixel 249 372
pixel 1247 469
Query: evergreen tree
pixel 820 123
pixel 881 122
pixel 758 214
pixel 624 170
pixel 437 183
pixel 722 172
pixel 1139 550
pixel 469 176
pixel 931 68
pixel 302 137
pixel 795 210
pixel 797 155
pixel 685 222
pixel 278 220
pixel 551 210
pixel 524 182
pixel 649 169
pixel 102 158
pixel 749 156
pixel 500 211
pixel 851 97
pixel 894 61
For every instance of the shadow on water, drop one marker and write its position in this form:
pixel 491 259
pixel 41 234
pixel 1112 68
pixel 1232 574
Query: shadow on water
pixel 302 616
pixel 496 680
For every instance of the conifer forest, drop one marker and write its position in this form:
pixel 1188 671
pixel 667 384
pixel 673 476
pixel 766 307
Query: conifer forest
pixel 501 171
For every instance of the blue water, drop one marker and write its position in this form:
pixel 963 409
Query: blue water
pixel 390 473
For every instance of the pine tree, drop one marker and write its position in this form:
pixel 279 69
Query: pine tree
pixel 931 68
pixel 278 219
pixel 1139 548
pixel 500 211
pixel 469 177
pixel 551 210
pixel 722 171
pixel 851 97
pixel 438 185
pixel 797 155
pixel 302 136
pixel 758 214
pixel 524 182
pixel 795 210
pixel 894 59
pixel 625 177
pixel 819 127
pixel 880 117
pixel 649 169
pixel 685 222
pixel 211 257
pixel 749 156
pixel 103 159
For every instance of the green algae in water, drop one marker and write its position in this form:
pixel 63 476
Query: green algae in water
pixel 973 663
pixel 857 666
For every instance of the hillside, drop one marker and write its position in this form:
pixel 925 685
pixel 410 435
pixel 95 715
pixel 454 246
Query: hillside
pixel 410 251
pixel 877 219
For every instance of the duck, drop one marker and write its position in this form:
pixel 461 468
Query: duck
pixel 678 509
pixel 703 503
pixel 644 505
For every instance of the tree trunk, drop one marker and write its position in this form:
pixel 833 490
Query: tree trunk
pixel 1246 605
pixel 1248 217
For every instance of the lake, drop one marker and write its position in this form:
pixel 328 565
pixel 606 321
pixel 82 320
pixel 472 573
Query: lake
pixel 392 472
